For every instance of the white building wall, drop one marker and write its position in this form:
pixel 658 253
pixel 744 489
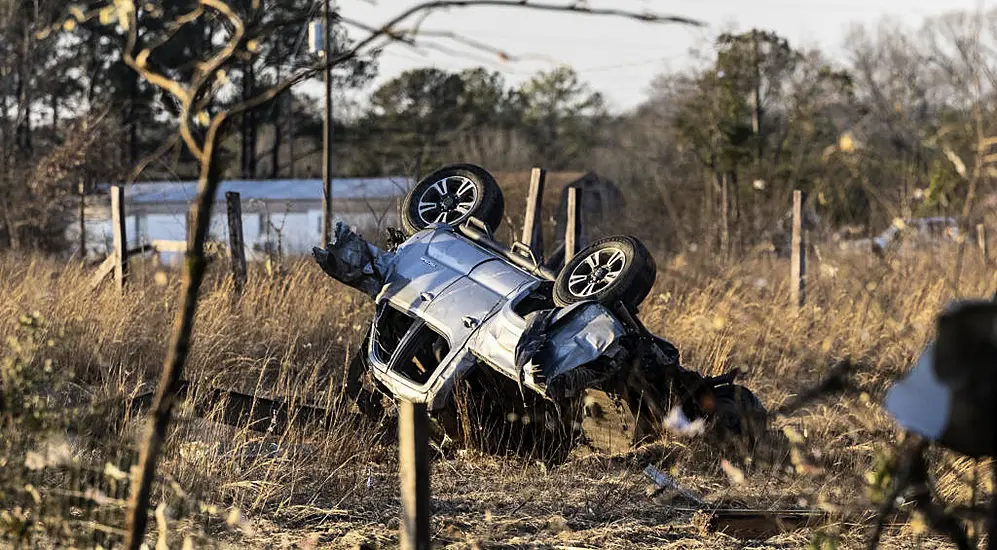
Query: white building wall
pixel 299 231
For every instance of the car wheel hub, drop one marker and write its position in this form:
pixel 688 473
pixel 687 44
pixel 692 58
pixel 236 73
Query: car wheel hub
pixel 449 200
pixel 597 272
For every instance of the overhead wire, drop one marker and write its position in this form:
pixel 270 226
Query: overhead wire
pixel 560 39
pixel 409 37
pixel 505 56
pixel 585 70
pixel 414 39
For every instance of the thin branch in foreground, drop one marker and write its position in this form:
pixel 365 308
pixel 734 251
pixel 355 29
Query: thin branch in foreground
pixel 156 155
pixel 836 381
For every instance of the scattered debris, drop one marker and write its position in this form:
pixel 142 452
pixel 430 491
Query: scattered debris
pixel 678 423
pixel 664 481
pixel 906 235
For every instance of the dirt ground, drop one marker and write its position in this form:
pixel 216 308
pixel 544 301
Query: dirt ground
pixel 591 502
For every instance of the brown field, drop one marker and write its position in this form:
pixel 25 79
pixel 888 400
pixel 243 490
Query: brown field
pixel 292 332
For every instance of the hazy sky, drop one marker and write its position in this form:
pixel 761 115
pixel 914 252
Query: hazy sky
pixel 619 57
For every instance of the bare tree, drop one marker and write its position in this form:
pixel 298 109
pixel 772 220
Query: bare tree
pixel 958 48
pixel 502 149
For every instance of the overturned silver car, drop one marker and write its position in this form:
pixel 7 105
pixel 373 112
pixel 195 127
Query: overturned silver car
pixel 542 360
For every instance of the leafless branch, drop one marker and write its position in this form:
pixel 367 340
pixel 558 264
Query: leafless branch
pixel 160 151
pixel 502 54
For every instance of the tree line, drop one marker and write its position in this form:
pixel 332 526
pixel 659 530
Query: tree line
pixel 901 127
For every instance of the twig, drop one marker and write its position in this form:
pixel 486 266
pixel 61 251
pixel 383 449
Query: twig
pixel 160 151
pixel 915 446
pixel 166 394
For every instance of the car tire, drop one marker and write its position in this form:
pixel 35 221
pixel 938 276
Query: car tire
pixel 623 259
pixel 451 195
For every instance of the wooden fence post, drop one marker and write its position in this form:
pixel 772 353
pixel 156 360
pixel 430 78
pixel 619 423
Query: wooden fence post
pixel 120 233
pixel 573 226
pixel 532 227
pixel 413 455
pixel 237 247
pixel 981 240
pixel 798 262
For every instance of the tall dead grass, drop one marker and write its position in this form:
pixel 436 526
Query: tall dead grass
pixel 287 337
pixel 291 334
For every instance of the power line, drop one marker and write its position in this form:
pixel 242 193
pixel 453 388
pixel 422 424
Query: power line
pixel 625 65
pixel 524 72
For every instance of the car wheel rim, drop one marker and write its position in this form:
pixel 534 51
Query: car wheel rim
pixel 449 200
pixel 597 272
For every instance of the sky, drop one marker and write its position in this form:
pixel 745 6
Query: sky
pixel 620 57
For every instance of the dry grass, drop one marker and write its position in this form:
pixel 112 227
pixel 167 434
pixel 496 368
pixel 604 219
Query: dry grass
pixel 290 335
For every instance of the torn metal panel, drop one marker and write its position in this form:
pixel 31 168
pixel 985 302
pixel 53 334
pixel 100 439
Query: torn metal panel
pixel 664 481
pixel 534 336
pixel 353 261
pixel 577 335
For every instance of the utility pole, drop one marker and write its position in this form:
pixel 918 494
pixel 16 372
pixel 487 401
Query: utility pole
pixel 327 128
